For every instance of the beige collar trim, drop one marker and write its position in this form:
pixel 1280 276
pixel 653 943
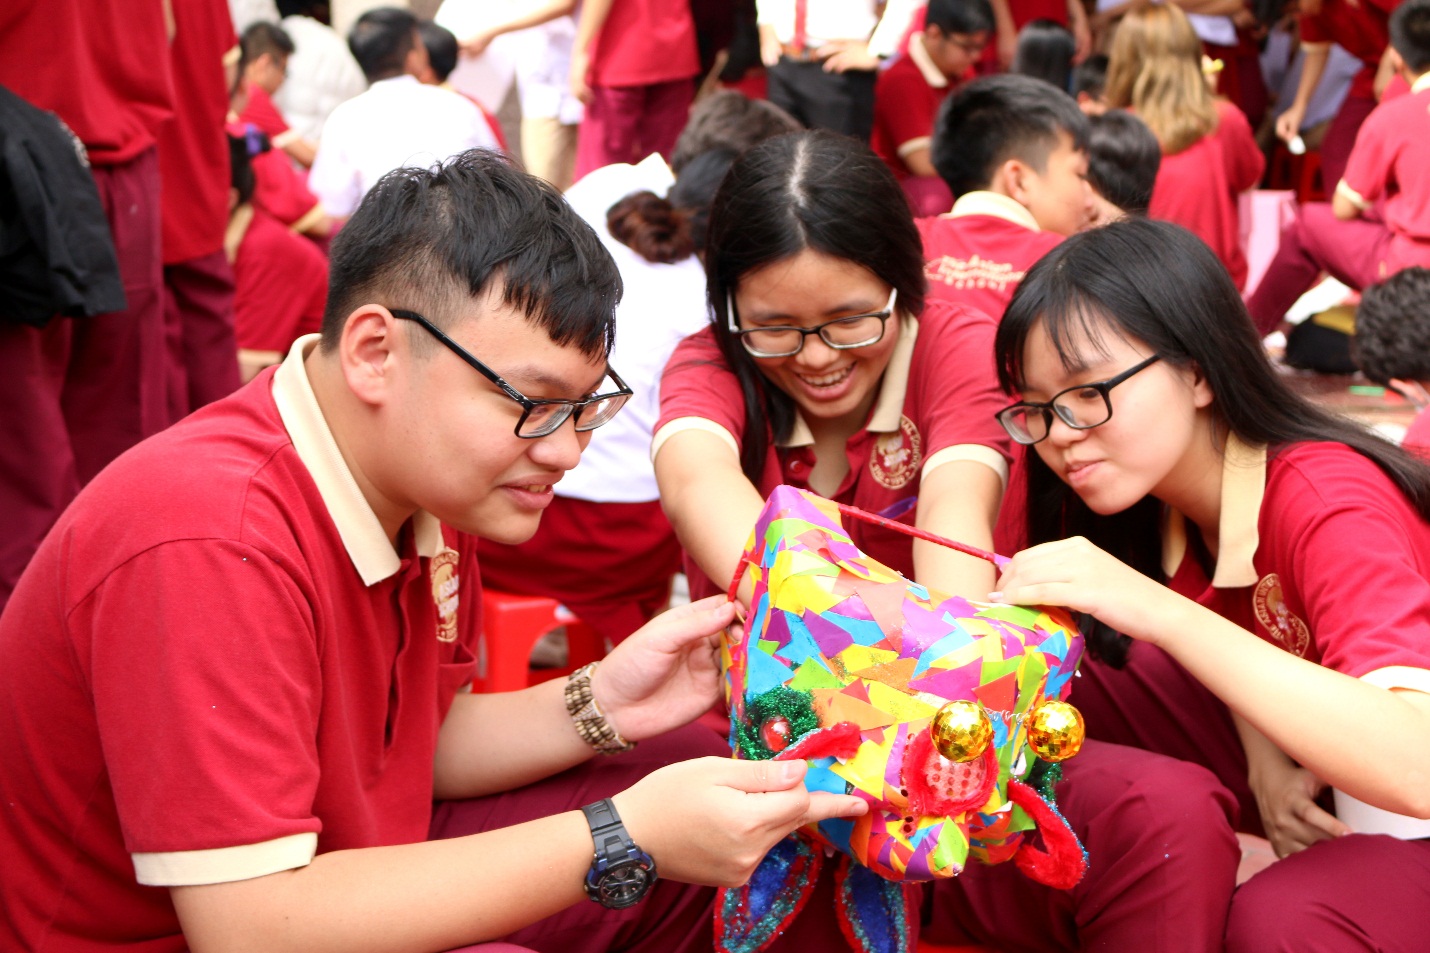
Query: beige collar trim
pixel 1422 83
pixel 920 55
pixel 995 204
pixel 362 534
pixel 889 405
pixel 238 225
pixel 1243 485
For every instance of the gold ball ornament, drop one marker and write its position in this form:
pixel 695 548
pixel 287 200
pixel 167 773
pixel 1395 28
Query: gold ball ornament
pixel 1055 730
pixel 961 731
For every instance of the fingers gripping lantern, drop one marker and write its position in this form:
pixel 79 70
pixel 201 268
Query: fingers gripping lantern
pixel 944 715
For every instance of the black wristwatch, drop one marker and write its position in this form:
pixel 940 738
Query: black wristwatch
pixel 622 872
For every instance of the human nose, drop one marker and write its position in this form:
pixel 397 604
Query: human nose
pixel 560 449
pixel 816 352
pixel 1061 434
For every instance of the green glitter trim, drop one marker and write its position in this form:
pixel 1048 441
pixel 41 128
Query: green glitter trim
pixel 795 706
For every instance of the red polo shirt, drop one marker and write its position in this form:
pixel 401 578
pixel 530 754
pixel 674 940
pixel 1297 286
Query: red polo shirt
pixel 261 111
pixel 644 42
pixel 1198 187
pixel 193 152
pixel 935 404
pixel 1322 555
pixel 101 65
pixel 215 667
pixel 1391 160
pixel 280 283
pixel 978 253
pixel 907 97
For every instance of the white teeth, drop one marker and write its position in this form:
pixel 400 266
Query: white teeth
pixel 828 379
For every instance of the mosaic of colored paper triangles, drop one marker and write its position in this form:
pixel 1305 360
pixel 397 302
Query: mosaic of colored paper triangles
pixel 873 648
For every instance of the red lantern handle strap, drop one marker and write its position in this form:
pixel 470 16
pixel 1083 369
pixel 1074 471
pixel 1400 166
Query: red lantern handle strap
pixel 999 561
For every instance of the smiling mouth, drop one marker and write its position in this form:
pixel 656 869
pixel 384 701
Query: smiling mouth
pixel 827 380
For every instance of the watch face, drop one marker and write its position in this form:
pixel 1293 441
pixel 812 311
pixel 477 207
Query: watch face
pixel 623 884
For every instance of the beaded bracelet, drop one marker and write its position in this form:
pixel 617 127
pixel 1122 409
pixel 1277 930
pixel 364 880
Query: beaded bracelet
pixel 591 723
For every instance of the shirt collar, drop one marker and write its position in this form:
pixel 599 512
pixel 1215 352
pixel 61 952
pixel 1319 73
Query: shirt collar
pixel 1421 83
pixel 920 55
pixel 362 534
pixel 1243 484
pixel 889 405
pixel 992 203
pixel 401 78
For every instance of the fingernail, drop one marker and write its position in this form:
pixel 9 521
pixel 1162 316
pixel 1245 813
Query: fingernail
pixel 995 597
pixel 791 770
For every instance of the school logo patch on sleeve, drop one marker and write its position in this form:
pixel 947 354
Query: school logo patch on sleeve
pixel 895 457
pixel 444 593
pixel 1280 623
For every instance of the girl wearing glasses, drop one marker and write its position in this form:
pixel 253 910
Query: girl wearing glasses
pixel 825 368
pixel 1258 555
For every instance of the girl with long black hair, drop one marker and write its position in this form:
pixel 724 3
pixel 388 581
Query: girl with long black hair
pixel 1237 550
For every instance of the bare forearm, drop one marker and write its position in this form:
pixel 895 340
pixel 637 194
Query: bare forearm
pixel 958 501
pixel 1312 70
pixel 502 741
pixel 709 501
pixel 536 17
pixel 1211 8
pixel 414 898
pixel 592 18
pixel 1373 753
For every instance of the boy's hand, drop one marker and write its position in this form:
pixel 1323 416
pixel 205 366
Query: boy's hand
pixel 1288 124
pixel 667 673
pixel 711 821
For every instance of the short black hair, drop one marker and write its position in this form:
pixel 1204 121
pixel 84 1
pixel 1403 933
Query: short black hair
pixel 1045 50
pixel 1392 336
pixel 1090 76
pixel 729 120
pixel 303 8
pixel 380 41
pixel 964 17
pixel 441 46
pixel 263 37
pixel 1410 34
pixel 240 167
pixel 996 118
pixel 1122 160
pixel 431 240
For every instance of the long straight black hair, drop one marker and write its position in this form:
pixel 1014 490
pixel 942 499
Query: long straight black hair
pixel 1157 283
pixel 804 190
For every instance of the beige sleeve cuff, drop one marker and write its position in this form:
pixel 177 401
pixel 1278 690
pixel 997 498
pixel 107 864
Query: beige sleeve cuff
pixel 1351 195
pixel 188 868
pixel 975 452
pixel 1399 676
pixel 681 424
pixel 914 145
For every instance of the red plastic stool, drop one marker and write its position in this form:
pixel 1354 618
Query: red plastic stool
pixel 512 625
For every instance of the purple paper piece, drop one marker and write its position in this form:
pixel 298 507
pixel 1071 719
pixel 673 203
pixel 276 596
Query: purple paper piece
pixel 830 638
pixel 950 682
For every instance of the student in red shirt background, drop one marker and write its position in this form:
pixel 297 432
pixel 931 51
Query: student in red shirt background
pixel 281 279
pixel 908 94
pixel 1209 154
pixel 825 368
pixel 78 393
pixel 1361 27
pixel 1013 150
pixel 1294 622
pixel 634 64
pixel 266 48
pixel 1378 219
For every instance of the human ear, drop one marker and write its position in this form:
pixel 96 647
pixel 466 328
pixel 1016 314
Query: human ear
pixel 1014 175
pixel 1202 395
pixel 368 352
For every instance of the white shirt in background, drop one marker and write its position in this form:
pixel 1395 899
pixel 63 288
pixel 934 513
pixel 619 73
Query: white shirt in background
pixel 842 20
pixel 321 74
pixel 397 123
pixel 662 304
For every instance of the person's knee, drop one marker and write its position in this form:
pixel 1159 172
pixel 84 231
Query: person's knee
pixel 1271 913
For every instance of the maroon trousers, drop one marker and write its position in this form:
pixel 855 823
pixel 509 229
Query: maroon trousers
pixel 1159 833
pixel 198 324
pixel 628 123
pixel 78 393
pixel 1358 893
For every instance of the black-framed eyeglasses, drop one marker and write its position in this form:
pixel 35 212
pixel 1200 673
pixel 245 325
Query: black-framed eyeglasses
pixel 538 417
pixel 842 334
pixel 1081 407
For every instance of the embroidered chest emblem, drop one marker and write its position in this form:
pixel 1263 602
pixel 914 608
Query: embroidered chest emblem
pixel 1279 623
pixel 973 272
pixel 444 594
pixel 895 457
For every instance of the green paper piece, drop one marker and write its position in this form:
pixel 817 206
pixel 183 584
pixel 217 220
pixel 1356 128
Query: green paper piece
pixel 812 674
